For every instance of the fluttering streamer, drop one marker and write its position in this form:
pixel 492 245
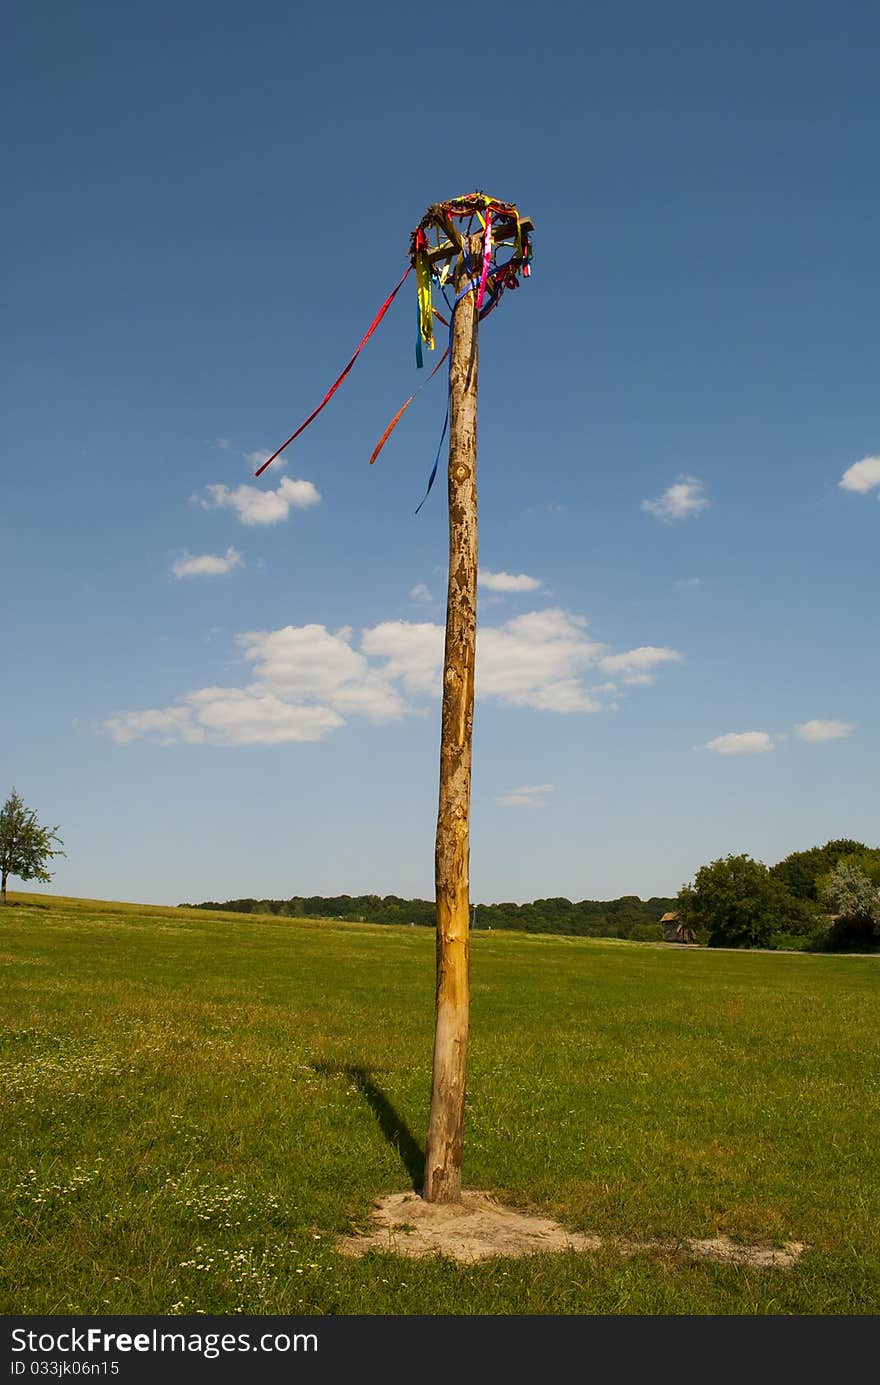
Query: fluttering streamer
pixel 506 252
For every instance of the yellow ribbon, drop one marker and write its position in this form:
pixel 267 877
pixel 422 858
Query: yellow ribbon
pixel 426 307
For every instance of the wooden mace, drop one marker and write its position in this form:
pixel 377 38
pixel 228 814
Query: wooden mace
pixel 443 1153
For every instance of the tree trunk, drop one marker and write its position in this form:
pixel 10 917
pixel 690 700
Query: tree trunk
pixel 3 888
pixel 443 1155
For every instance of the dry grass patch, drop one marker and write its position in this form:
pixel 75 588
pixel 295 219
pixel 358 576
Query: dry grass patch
pixel 480 1228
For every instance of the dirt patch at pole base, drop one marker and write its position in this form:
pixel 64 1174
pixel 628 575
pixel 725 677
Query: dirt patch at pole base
pixel 480 1228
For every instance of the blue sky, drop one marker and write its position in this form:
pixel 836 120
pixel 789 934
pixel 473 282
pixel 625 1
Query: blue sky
pixel 219 692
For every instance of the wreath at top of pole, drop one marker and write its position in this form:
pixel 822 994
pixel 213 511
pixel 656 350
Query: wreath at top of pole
pixel 504 252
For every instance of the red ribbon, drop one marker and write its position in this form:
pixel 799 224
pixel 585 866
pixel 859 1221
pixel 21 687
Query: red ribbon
pixel 330 393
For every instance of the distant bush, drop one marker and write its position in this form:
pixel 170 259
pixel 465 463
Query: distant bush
pixel 647 933
pixel 792 942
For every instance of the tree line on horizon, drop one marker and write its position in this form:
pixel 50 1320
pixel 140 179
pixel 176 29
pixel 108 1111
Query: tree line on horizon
pixel 824 898
pixel 627 917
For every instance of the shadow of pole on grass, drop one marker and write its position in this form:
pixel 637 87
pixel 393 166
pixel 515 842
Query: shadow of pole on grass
pixel 391 1123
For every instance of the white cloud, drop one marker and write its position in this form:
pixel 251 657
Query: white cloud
pixel 255 506
pixel 223 444
pixel 861 476
pixel 537 660
pixel 227 716
pixel 249 716
pixel 529 796
pixel 420 592
pixel 207 564
pixel 309 664
pixel 822 730
pixel 635 665
pixel 169 724
pixel 303 660
pixel 307 680
pixel 507 581
pixel 680 501
pixel 413 652
pixel 739 743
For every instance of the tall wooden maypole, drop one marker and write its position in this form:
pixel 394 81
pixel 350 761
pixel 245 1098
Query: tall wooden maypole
pixel 479 246
pixel 452 848
pixel 473 258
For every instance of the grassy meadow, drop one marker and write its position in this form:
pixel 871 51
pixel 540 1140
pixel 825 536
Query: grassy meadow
pixel 194 1104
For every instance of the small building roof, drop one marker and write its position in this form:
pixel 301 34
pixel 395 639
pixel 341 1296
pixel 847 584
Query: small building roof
pixel 670 917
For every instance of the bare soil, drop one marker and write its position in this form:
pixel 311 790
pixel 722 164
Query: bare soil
pixel 480 1228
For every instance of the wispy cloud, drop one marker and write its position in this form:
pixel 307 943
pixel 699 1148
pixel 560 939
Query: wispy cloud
pixel 823 730
pixel 529 796
pixel 682 500
pixel 255 506
pixel 222 444
pixel 307 680
pixel 420 592
pixel 637 665
pixel 252 716
pixel 739 743
pixel 207 564
pixel 862 476
pixel 168 724
pixel 256 459
pixel 507 581
pixel 689 582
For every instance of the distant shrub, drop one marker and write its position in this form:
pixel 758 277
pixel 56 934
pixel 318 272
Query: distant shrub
pixel 791 942
pixel 647 933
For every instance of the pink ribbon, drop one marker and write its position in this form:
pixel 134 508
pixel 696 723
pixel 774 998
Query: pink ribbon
pixel 487 258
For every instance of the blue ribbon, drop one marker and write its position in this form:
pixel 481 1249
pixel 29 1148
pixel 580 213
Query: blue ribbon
pixel 470 288
pixel 436 462
pixel 497 290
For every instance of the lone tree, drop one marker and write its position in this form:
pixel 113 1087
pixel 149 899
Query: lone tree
pixel 25 846
pixel 477 247
pixel 733 902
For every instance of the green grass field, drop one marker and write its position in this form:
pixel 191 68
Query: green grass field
pixel 195 1104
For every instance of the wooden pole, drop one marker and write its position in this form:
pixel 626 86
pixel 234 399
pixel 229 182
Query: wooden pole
pixel 452 852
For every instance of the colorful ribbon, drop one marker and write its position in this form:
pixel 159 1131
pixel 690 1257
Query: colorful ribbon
pixel 420 360
pixel 436 462
pixel 487 259
pixel 403 408
pixel 465 291
pixel 493 280
pixel 495 283
pixel 423 285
